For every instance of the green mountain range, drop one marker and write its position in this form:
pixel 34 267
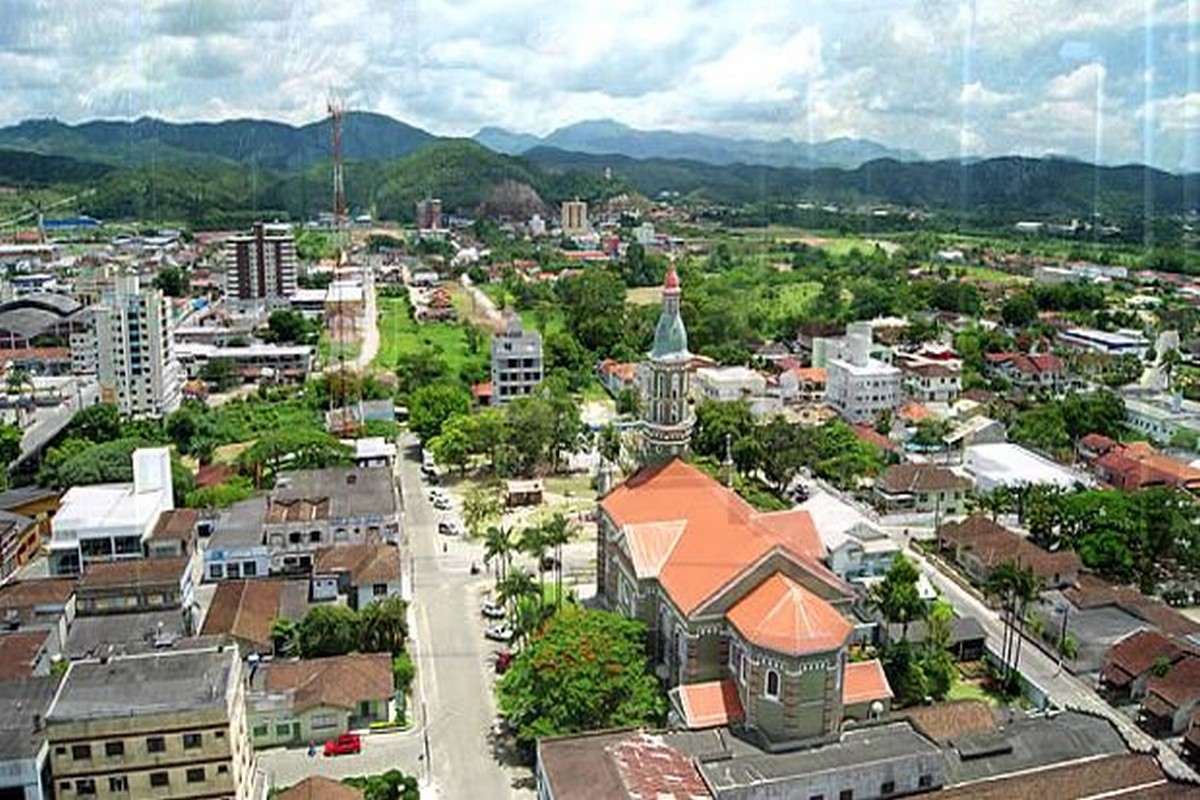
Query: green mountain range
pixel 228 173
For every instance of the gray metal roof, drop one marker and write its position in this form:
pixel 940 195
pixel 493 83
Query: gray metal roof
pixel 149 684
pixel 352 491
pixel 22 705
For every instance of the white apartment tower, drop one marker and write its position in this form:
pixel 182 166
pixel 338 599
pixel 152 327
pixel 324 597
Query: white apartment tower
pixel 857 386
pixel 517 366
pixel 261 266
pixel 129 348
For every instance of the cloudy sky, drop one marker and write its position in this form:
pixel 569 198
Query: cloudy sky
pixel 1116 82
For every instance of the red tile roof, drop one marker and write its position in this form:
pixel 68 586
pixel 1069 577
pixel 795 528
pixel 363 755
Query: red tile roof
pixel 1127 775
pixel 650 768
pixel 1135 654
pixel 338 681
pixel 139 572
pixel 318 787
pixel 1097 443
pixel 949 720
pixel 1180 686
pixel 723 535
pixel 864 682
pixel 993 544
pixel 38 592
pixel 366 563
pixel 919 478
pixel 244 610
pixel 709 705
pixel 20 651
pixel 179 523
pixel 781 615
pixel 869 435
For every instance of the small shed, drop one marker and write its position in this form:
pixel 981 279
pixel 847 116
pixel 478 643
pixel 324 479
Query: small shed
pixel 522 493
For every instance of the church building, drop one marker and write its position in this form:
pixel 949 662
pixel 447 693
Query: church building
pixel 749 627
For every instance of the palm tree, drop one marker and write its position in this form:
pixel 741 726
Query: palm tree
pixel 533 543
pixel 1015 586
pixel 515 592
pixel 498 544
pixel 556 532
pixel 285 636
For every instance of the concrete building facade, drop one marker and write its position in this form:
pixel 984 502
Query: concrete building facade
pixel 168 724
pixel 517 366
pixel 860 387
pixel 261 266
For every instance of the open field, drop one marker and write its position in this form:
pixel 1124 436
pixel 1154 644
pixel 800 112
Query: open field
pixel 989 275
pixel 644 296
pixel 398 334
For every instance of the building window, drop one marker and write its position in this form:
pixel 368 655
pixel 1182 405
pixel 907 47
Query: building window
pixel 195 775
pixel 192 740
pixel 159 779
pixel 219 734
pixel 887 787
pixel 216 572
pixel 771 685
pixel 81 752
pixel 324 721
pixel 156 744
pixel 85 787
pixel 249 569
pixel 379 589
pixel 924 781
pixel 222 769
pixel 119 783
pixel 114 749
pixel 284 729
pixel 260 731
pixel 846 794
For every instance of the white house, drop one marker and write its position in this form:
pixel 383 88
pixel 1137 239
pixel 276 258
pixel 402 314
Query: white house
pixel 726 384
pixel 856 548
pixel 858 386
pixel 111 521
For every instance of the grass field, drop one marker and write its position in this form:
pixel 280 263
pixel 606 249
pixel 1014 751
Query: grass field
pixel 989 275
pixel 644 296
pixel 398 334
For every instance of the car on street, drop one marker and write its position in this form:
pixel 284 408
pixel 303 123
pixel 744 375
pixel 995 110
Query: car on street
pixel 449 527
pixel 493 610
pixel 499 633
pixel 504 659
pixel 344 744
pixel 441 503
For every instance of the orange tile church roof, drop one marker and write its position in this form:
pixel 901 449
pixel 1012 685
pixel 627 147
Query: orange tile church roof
pixel 781 615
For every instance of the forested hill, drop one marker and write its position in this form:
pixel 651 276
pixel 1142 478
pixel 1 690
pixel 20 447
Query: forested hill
pixel 220 174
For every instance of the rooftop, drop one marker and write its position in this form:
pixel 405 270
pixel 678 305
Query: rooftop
pixel 864 682
pixel 161 683
pixel 20 652
pixel 950 720
pixel 139 572
pixel 920 478
pixel 366 563
pixel 781 615
pixel 350 492
pixel 1125 775
pixel 240 524
pixel 339 681
pixel 94 636
pixel 246 610
pixel 708 705
pixel 179 523
pixel 619 765
pixel 318 787
pixel 21 702
pixel 1136 654
pixel 1179 687
pixel 39 592
pixel 1011 465
pixel 993 544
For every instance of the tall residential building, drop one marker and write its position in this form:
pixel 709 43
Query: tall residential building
pixel 261 267
pixel 129 348
pixel 429 214
pixel 574 217
pixel 858 386
pixel 169 724
pixel 517 366
pixel 667 417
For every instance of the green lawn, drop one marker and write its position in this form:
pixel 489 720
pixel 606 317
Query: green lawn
pixel 963 690
pixel 399 334
pixel 989 275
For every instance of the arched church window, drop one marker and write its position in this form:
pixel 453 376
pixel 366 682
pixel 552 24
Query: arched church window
pixel 771 685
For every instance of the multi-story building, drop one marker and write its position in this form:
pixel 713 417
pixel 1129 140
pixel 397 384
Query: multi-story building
pixel 19 541
pixel 429 214
pixel 858 386
pixel 254 362
pixel 931 375
pixel 261 266
pixel 575 217
pixel 112 521
pixel 312 509
pixel 129 348
pixel 517 366
pixel 168 724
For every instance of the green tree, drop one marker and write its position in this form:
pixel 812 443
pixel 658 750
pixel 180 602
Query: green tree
pixel 431 405
pixel 328 631
pixel 498 546
pixel 403 672
pixel 1014 587
pixel 291 327
pixel 583 670
pixel 418 368
pixel 285 636
pixel 556 532
pixel 593 307
pixel 391 785
pixel 96 423
pixel 1019 311
pixel 10 444
pixel 383 626
pixel 897 597
pixel 453 446
pixel 782 446
pixel 482 506
pixel 172 281
pixel 299 448
pixel 628 402
pixel 532 542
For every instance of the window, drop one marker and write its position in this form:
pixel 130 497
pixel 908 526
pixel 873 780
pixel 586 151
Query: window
pixel 219 734
pixel 846 794
pixel 379 589
pixel 156 744
pixel 192 740
pixel 324 721
pixel 159 779
pixel 742 669
pixel 887 787
pixel 81 752
pixel 260 731
pixel 85 787
pixel 233 571
pixel 118 783
pixel 284 729
pixel 314 536
pixel 195 775
pixel 294 537
pixel 60 751
pixel 924 781
pixel 215 571
pixel 222 769
pixel 249 569
pixel 114 749
pixel 816 797
pixel 771 685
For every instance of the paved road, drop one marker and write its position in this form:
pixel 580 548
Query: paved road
pixel 370 331
pixel 49 421
pixel 453 659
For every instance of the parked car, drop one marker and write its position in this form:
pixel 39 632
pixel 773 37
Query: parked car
pixel 345 744
pixel 549 563
pixel 442 503
pixel 449 528
pixel 504 659
pixel 493 610
pixel 499 633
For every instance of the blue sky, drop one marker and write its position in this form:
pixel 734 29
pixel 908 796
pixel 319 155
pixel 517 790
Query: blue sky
pixel 1117 82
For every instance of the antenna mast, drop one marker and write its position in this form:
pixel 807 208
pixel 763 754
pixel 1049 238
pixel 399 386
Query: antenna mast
pixel 336 111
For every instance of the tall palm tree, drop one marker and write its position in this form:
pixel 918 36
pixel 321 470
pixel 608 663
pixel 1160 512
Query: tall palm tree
pixel 556 532
pixel 517 592
pixel 533 543
pixel 1015 586
pixel 498 544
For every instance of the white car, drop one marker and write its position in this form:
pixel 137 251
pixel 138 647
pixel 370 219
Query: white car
pixel 493 610
pixel 500 633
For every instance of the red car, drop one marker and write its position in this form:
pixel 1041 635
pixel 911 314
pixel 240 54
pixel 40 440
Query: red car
pixel 346 744
pixel 504 660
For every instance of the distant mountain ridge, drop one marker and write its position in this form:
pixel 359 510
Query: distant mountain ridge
pixel 607 137
pixel 249 142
